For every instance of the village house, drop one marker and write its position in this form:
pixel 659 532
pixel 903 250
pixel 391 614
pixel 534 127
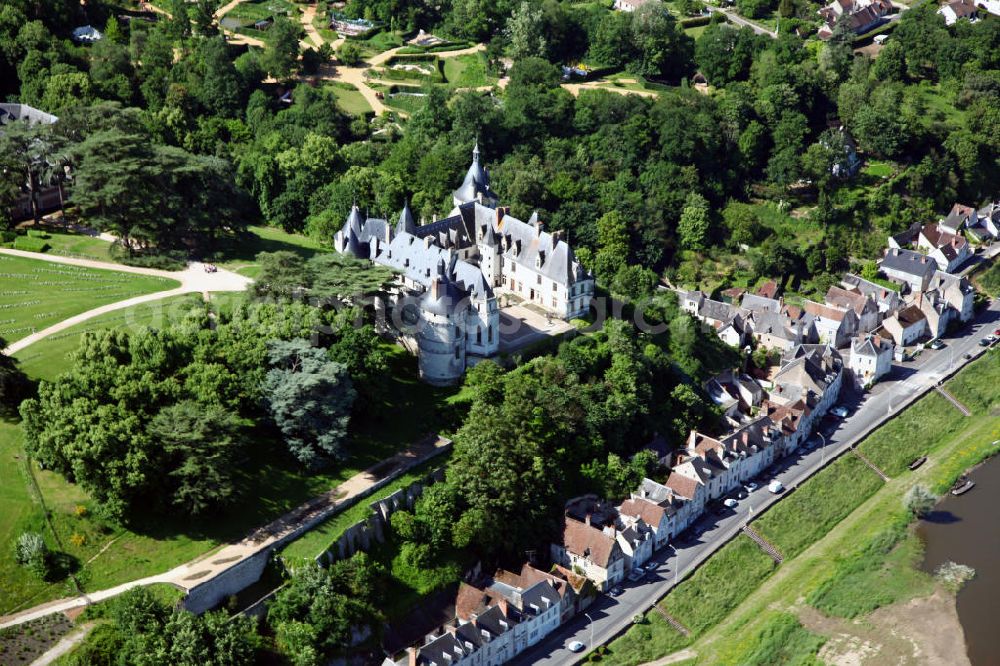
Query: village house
pixel 629 5
pixel 906 326
pixel 959 9
pixel 835 325
pixel 886 300
pixel 949 249
pixel 871 359
pixel 859 15
pixel 863 305
pixel 593 552
pixel 986 226
pixel 907 267
pixel 959 217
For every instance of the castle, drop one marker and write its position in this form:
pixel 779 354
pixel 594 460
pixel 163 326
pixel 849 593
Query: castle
pixel 452 270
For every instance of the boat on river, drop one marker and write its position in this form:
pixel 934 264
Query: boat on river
pixel 962 486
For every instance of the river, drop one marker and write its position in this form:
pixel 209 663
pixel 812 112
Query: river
pixel 966 530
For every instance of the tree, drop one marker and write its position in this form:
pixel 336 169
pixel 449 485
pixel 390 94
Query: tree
pixel 198 441
pixel 282 274
pixel 693 227
pixel 869 270
pixel 350 53
pixel 664 50
pixel 612 44
pixel 919 500
pixel 525 38
pixel 612 244
pixel 14 384
pixel 742 222
pixel 309 397
pixel 282 51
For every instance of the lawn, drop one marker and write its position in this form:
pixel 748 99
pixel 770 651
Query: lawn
pixel 700 602
pixel 989 280
pixel 350 100
pixel 783 640
pixel 49 357
pixel 35 294
pixel 240 255
pixel 79 246
pixel 816 506
pixel 466 71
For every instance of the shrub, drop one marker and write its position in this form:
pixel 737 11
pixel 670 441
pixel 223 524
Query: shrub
pixel 919 500
pixel 78 539
pixel 31 552
pixel 8 236
pixel 30 244
pixel 953 575
pixel 38 233
pixel 79 511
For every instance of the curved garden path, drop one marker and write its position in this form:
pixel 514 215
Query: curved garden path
pixel 193 280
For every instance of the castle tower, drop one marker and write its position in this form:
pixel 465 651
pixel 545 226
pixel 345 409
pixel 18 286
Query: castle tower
pixel 441 334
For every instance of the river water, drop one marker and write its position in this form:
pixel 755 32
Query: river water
pixel 966 530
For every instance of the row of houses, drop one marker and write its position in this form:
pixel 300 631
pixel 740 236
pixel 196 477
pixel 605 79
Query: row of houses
pixel 605 543
pixel 500 617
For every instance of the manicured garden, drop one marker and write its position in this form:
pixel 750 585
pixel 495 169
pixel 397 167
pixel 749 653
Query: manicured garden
pixel 350 100
pixel 37 294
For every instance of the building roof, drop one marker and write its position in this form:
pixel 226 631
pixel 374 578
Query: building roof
pixel 684 486
pixel 587 541
pixel 911 315
pixel 756 303
pixel 908 262
pixel 540 251
pixel 847 299
pixel 406 222
pixel 905 238
pixel 12 112
pixel 960 214
pixel 650 512
pixel 824 311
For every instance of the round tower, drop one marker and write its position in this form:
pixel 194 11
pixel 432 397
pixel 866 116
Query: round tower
pixel 441 334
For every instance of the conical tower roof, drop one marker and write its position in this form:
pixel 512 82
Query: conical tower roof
pixel 406 221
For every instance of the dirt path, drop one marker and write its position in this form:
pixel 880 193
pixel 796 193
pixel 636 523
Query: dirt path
pixel 193 279
pixel 575 88
pixel 67 643
pixel 207 566
pixel 307 23
pixel 676 657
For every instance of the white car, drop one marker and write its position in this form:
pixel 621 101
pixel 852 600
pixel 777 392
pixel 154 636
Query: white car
pixel 775 487
pixel 729 502
pixel 839 411
pixel 575 646
pixel 750 486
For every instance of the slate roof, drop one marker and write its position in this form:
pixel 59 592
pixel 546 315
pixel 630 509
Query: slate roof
pixel 409 255
pixel 959 213
pixel 905 238
pixel 527 245
pixel 824 311
pixel 908 262
pixel 717 310
pixel 756 303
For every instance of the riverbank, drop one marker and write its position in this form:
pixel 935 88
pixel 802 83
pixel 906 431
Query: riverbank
pixel 963 530
pixel 867 561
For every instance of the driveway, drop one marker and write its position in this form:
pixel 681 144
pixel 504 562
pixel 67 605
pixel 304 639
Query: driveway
pixel 612 615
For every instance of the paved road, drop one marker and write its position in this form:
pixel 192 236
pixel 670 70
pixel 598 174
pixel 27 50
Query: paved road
pixel 742 22
pixel 907 382
pixel 193 280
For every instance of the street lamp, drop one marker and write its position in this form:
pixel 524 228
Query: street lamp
pixel 822 451
pixel 587 615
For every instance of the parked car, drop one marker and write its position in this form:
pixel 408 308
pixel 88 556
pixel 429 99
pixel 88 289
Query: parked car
pixel 839 411
pixel 997 332
pixel 729 502
pixel 615 591
pixel 936 344
pixel 636 575
pixel 652 566
pixel 986 342
pixel 575 646
pixel 750 486
pixel 775 487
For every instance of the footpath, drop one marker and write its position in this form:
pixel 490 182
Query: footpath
pixel 202 571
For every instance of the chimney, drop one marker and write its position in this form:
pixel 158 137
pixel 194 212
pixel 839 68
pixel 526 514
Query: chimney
pixel 436 288
pixel 586 519
pixel 427 242
pixel 411 656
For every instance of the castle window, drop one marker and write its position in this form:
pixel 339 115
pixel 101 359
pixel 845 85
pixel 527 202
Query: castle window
pixel 539 279
pixel 554 303
pixel 489 334
pixel 457 350
pixel 479 335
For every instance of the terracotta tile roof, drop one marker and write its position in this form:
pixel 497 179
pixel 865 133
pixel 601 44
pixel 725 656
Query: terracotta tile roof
pixel 768 290
pixel 682 485
pixel 472 601
pixel 846 298
pixel 583 540
pixel 825 311
pixel 651 513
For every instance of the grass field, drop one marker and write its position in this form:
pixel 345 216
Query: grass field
pixel 350 100
pixel 49 357
pixel 35 294
pixel 845 560
pixel 78 246
pixel 989 280
pixel 241 257
pixel 466 71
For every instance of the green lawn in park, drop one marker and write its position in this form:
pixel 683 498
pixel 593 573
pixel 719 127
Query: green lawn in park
pixel 241 255
pixel 49 357
pixel 35 294
pixel 466 71
pixel 350 100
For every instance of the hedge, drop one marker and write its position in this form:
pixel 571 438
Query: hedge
pixel 30 244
